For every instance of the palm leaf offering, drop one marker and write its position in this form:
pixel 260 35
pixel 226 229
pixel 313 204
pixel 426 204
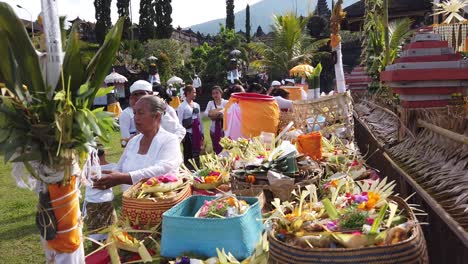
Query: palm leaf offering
pixel 349 214
pixel 51 129
pixel 213 171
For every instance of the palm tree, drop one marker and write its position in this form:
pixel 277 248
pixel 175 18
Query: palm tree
pixel 290 46
pixel 398 32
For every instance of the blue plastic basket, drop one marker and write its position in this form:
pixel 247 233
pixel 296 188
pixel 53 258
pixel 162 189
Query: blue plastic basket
pixel 183 233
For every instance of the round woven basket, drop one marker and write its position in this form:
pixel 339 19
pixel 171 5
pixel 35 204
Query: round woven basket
pixel 239 183
pixel 411 250
pixel 149 211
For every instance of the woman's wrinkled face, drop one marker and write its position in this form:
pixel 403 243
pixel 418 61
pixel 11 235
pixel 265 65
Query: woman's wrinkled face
pixel 216 94
pixel 145 121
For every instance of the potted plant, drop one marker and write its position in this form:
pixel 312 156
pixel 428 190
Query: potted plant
pixel 48 130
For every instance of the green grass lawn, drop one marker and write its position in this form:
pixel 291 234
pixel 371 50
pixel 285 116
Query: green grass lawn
pixel 19 238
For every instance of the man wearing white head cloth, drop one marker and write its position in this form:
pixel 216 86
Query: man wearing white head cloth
pixel 274 85
pixel 139 89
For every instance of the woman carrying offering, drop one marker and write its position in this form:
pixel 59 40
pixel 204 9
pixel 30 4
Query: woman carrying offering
pixel 190 118
pixel 214 110
pixel 153 152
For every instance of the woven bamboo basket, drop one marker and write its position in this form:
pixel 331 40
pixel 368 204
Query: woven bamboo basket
pixel 149 211
pixel 239 183
pixel 258 193
pixel 337 110
pixel 411 250
pixel 284 119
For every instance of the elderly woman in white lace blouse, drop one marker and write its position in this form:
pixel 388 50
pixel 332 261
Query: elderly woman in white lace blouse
pixel 153 152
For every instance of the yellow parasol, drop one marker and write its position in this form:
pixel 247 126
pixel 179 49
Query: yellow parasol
pixel 301 70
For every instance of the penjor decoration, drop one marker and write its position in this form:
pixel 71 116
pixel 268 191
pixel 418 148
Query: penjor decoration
pixel 47 127
pixel 335 21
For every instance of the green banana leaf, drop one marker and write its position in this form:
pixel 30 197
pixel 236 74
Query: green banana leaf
pixel 103 60
pixel 16 40
pixel 73 68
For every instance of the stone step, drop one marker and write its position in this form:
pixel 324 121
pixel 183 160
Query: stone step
pixel 447 57
pixel 424 104
pixel 428 65
pixel 427 52
pixel 426 37
pixel 428 84
pixel 438 90
pixel 424 75
pixel 426 45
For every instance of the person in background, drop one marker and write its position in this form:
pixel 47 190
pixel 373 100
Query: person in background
pixel 170 122
pixel 214 110
pixel 256 88
pixel 169 91
pixel 289 82
pixel 127 125
pixel 282 98
pixel 190 118
pixel 154 152
pixel 98 209
pixel 153 77
pixel 181 92
pixel 233 89
pixel 197 84
pixel 274 85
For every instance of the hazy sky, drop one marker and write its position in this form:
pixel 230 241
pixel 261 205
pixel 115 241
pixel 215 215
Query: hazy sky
pixel 185 12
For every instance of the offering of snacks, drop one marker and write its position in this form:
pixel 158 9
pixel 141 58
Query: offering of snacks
pixel 159 187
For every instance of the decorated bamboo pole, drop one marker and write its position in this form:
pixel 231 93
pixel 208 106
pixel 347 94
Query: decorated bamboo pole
pixel 67 245
pixel 337 16
pixel 53 42
pixel 45 132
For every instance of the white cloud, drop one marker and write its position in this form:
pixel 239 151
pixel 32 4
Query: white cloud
pixel 184 12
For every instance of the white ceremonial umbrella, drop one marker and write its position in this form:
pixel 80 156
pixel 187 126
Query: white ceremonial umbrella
pixel 115 78
pixel 174 80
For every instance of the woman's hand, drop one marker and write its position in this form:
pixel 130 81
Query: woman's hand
pixel 112 178
pixel 215 115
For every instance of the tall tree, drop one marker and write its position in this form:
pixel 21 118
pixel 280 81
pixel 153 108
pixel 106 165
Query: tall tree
pixel 230 14
pixel 259 32
pixel 163 11
pixel 147 18
pixel 290 45
pixel 123 10
pixel 322 8
pixel 103 19
pixel 247 23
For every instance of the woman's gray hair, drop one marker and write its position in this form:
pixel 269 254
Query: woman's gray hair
pixel 156 104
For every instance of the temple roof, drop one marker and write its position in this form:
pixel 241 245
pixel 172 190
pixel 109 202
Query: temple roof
pixel 395 6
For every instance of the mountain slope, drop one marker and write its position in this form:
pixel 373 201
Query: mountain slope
pixel 261 14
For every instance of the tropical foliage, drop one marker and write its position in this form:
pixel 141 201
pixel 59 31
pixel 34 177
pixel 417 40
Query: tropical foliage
pixel 211 61
pixel 171 55
pixel 51 128
pixel 290 46
pixel 374 48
